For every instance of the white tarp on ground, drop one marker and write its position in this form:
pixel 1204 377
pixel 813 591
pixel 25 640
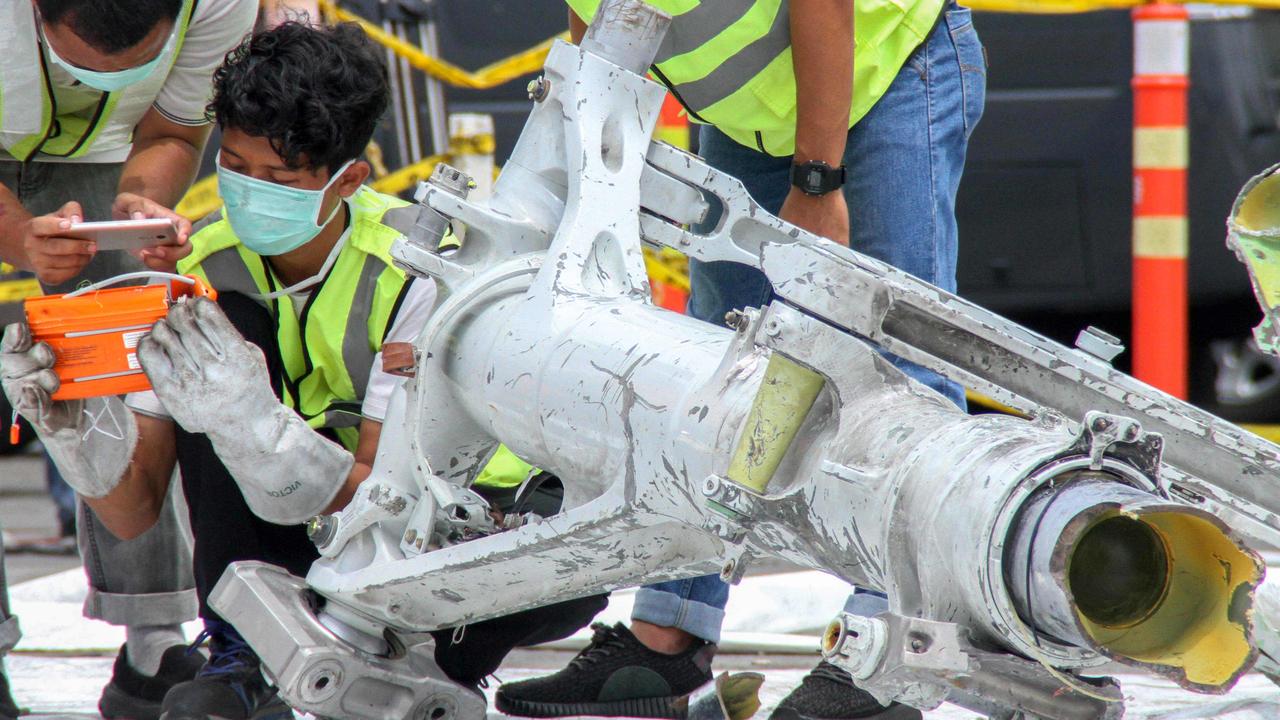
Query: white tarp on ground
pixel 63 659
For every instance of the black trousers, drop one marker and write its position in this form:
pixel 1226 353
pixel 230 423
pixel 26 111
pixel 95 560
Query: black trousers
pixel 225 530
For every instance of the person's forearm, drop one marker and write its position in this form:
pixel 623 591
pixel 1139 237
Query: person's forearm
pixel 13 216
pixel 358 473
pixel 161 169
pixel 577 28
pixel 822 53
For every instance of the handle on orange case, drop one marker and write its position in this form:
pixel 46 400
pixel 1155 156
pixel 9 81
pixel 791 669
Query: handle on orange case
pixel 196 286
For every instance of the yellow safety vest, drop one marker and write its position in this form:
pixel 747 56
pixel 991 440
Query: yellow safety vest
pixel 328 350
pixel 30 121
pixel 729 61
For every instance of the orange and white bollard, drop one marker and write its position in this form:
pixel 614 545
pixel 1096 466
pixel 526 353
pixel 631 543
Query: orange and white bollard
pixel 673 126
pixel 1161 58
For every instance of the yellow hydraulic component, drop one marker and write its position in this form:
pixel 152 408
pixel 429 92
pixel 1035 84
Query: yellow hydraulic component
pixel 487 77
pixel 1197 621
pixel 779 408
pixel 1255 236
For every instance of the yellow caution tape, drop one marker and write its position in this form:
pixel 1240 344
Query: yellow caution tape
pixel 203 199
pixel 15 290
pixel 473 145
pixel 667 267
pixel 200 200
pixel 493 75
pixel 407 176
pixel 373 155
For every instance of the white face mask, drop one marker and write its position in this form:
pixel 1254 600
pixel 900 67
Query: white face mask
pixel 314 279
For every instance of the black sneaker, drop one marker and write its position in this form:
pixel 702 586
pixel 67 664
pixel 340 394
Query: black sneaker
pixel 615 676
pixel 9 709
pixel 828 693
pixel 230 686
pixel 133 696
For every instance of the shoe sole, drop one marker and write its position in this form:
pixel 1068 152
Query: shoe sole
pixel 116 704
pixel 281 712
pixel 651 707
pixel 895 712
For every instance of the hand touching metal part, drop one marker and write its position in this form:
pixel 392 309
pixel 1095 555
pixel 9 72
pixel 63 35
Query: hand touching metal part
pixel 212 381
pixel 91 441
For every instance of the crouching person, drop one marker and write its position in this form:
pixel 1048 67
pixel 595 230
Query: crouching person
pixel 270 401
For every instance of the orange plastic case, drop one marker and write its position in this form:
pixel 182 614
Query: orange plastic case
pixel 95 335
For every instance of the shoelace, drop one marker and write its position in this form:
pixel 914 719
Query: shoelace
pixel 603 637
pixel 228 652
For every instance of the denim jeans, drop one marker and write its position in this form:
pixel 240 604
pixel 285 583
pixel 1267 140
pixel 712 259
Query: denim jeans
pixel 904 159
pixel 146 580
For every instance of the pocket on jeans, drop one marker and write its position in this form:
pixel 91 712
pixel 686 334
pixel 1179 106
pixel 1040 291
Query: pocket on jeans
pixel 973 64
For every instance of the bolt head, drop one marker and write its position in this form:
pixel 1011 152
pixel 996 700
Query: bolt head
pixel 538 88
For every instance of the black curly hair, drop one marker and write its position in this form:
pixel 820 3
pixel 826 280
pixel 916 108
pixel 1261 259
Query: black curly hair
pixel 316 93
pixel 109 26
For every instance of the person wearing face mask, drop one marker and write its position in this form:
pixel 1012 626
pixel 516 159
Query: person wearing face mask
pixel 270 401
pixel 102 116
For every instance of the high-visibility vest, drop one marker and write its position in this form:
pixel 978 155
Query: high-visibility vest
pixel 344 321
pixel 30 122
pixel 729 61
pixel 327 351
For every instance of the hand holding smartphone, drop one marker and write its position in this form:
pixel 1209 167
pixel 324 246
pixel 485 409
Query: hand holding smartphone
pixel 125 234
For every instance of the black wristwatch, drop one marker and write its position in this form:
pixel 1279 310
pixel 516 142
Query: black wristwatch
pixel 817 177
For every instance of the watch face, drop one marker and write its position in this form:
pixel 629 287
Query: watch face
pixel 815 178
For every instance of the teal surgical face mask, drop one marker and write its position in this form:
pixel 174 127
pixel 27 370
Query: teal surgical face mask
pixel 109 81
pixel 272 219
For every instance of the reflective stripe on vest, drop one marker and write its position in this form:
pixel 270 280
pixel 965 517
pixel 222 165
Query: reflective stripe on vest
pixel 328 353
pixel 729 61
pixel 29 122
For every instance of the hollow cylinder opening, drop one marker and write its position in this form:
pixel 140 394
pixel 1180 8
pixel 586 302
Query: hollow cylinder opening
pixel 1098 564
pixel 1119 572
pixel 1258 207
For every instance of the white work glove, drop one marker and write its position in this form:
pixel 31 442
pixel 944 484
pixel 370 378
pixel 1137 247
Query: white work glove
pixel 212 381
pixel 91 441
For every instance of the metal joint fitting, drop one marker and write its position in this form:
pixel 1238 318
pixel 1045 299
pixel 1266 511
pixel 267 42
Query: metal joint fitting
pixel 538 88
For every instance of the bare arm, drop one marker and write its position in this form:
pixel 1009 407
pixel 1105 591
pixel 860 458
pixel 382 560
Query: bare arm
pixel 822 52
pixel 13 217
pixel 164 159
pixel 366 450
pixel 160 168
pixel 134 505
pixel 577 28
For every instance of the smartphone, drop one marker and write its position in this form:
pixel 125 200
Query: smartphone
pixel 125 234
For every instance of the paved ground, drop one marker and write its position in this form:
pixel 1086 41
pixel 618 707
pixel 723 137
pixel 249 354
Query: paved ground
pixel 27 514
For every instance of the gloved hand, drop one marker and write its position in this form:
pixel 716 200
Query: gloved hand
pixel 91 441
pixel 212 381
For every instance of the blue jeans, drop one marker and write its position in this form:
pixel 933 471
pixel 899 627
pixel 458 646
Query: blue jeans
pixel 905 159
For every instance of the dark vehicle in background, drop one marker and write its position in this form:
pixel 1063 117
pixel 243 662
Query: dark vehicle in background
pixel 1045 207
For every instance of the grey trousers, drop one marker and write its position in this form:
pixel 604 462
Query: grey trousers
pixel 147 580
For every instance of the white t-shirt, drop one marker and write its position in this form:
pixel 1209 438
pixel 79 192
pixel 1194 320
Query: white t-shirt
pixel 217 27
pixel 410 320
